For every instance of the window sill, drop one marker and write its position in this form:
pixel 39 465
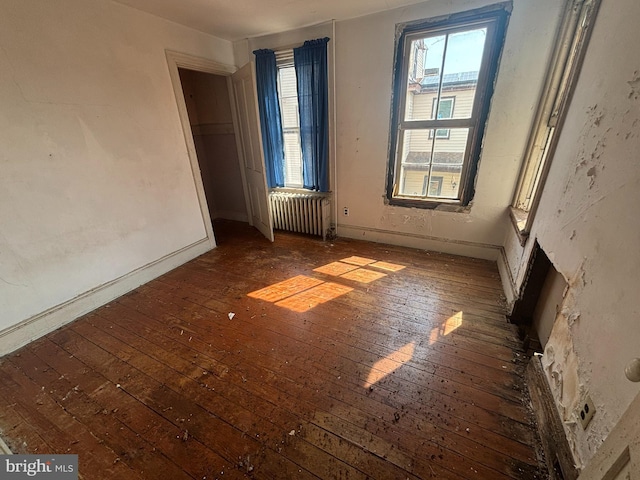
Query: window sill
pixel 519 221
pixel 442 206
pixel 298 190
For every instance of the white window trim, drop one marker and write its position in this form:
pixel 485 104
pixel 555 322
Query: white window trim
pixel 571 43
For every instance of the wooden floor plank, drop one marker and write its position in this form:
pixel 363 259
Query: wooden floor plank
pixel 341 360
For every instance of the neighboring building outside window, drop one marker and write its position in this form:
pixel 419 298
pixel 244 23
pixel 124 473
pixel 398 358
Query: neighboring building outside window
pixel 442 86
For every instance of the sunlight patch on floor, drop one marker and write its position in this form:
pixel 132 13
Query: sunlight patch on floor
pixel 392 267
pixel 302 293
pixel 335 268
pixel 313 297
pixel 389 364
pixel 363 276
pixel 452 323
pixel 360 261
pixel 287 288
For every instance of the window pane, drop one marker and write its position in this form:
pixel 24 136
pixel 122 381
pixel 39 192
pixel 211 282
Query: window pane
pixel 445 108
pixel 288 95
pixel 463 57
pixel 293 156
pixel 423 76
pixel 289 112
pixel 416 159
pixel 287 82
pixel 432 167
pixel 448 159
pixel 461 69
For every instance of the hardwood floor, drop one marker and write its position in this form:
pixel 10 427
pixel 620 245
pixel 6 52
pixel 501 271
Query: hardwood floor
pixel 298 359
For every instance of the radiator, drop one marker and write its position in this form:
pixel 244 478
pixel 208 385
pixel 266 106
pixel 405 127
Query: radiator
pixel 300 212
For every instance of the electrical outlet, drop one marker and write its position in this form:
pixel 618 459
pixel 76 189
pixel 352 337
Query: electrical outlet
pixel 586 411
pixel 346 211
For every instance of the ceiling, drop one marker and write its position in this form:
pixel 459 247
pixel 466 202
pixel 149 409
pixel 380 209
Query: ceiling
pixel 237 19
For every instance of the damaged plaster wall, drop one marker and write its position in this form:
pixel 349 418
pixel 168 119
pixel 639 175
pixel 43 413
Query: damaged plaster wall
pixel 587 224
pixel 364 70
pixel 96 181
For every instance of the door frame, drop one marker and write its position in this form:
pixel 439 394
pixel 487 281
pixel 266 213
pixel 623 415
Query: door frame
pixel 620 449
pixel 177 60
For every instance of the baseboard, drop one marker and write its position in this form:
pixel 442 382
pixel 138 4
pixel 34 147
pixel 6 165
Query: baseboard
pixel 35 327
pixel 423 242
pixel 508 282
pixel 552 435
pixel 4 448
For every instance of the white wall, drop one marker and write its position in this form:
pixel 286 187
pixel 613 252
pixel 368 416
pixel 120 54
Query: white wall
pixel 587 223
pixel 364 68
pixel 96 181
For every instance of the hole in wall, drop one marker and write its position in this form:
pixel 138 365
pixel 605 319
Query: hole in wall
pixel 542 295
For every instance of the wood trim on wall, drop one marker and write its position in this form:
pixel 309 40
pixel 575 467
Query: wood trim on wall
pixel 552 435
pixel 35 327
pixel 508 282
pixel 4 448
pixel 620 452
pixel 425 242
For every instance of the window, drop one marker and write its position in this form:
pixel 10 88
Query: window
pixel 435 185
pixel 571 42
pixel 288 98
pixel 445 110
pixel 293 103
pixel 443 82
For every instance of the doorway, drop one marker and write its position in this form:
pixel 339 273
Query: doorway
pixel 209 109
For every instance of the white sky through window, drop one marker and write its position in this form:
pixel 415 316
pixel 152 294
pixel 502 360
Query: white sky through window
pixel 464 51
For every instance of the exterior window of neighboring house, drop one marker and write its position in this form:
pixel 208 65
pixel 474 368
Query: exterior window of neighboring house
pixel 445 110
pixel 571 41
pixel 443 81
pixel 288 97
pixel 435 186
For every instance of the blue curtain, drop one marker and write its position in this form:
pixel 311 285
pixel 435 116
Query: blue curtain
pixel 267 86
pixel 310 62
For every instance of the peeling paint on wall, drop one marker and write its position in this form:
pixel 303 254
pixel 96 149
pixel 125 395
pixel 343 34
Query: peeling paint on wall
pixel 587 223
pixel 634 83
pixel 561 366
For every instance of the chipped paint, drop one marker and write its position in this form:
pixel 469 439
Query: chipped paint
pixel 634 84
pixel 586 222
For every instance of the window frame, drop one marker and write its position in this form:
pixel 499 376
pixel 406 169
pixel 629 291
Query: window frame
pixel 571 41
pixel 495 18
